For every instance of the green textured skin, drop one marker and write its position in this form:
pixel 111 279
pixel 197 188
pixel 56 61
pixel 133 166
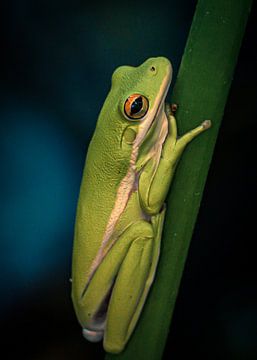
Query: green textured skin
pixel 127 261
pixel 106 165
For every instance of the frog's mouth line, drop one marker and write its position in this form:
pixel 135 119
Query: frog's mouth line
pixel 160 100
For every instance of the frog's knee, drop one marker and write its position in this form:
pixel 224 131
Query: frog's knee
pixel 142 229
pixel 152 206
pixel 114 346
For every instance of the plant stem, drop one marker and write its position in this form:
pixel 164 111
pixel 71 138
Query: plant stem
pixel 201 91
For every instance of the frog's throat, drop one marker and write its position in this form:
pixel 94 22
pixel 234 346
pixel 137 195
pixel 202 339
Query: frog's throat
pixel 127 185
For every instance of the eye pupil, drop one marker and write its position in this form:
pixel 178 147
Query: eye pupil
pixel 136 105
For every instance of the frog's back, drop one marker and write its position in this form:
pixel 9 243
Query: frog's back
pixel 107 164
pixel 98 191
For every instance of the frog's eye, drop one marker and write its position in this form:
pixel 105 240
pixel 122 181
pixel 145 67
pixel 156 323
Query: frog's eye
pixel 136 106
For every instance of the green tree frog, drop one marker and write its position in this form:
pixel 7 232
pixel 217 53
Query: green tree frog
pixel 129 166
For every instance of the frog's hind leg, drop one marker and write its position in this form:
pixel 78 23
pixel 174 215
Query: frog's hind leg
pixel 132 285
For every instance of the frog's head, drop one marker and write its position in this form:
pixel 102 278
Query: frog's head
pixel 136 98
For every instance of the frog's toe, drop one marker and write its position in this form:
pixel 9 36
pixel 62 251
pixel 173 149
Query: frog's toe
pixel 206 124
pixel 174 108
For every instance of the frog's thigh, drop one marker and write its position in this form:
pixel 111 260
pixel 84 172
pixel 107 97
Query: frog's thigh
pixel 129 287
pixel 106 273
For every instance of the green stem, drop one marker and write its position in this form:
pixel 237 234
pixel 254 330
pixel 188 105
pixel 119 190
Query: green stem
pixel 201 91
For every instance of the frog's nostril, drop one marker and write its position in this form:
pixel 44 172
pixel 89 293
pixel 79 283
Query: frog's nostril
pixel 152 68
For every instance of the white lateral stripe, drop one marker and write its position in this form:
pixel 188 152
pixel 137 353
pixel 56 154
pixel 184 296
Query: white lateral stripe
pixel 127 183
pixel 123 194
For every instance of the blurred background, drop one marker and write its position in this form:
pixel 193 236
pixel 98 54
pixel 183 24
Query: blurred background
pixel 57 58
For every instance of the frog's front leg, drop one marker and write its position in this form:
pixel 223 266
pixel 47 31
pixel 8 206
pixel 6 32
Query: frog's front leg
pixel 159 174
pixel 117 291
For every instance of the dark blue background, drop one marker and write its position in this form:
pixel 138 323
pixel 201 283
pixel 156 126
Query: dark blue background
pixel 57 58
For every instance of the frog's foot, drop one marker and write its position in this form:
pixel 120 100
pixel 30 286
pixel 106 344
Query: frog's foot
pixel 190 135
pixel 92 335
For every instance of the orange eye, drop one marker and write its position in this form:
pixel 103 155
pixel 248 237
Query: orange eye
pixel 136 106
